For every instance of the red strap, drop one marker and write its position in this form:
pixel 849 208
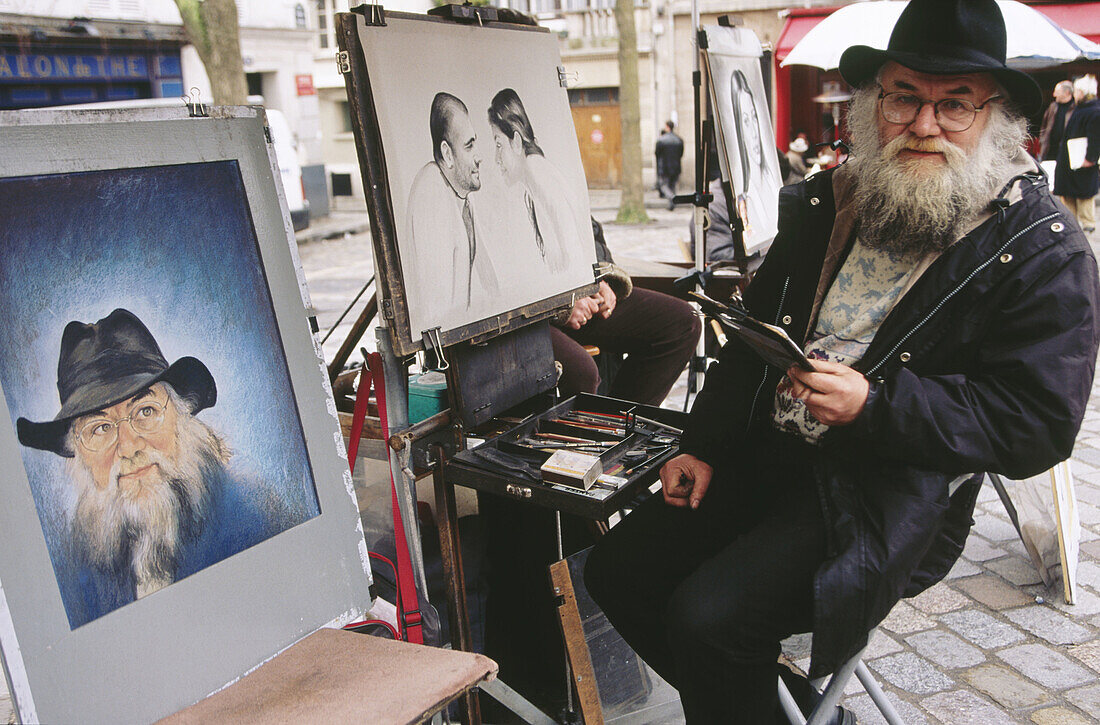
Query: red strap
pixel 407 610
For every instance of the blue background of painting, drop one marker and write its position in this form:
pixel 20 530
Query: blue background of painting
pixel 175 245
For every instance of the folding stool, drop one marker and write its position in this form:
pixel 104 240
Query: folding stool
pixel 834 690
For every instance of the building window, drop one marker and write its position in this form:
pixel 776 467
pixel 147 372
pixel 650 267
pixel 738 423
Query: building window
pixel 593 96
pixel 322 24
pixel 341 184
pixel 299 16
pixel 345 117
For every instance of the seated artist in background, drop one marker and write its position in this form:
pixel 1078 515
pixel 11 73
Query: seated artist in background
pixel 658 333
pixel 948 304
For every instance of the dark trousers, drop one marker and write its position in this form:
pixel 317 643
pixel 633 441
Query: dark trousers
pixel 706 596
pixel 658 333
pixel 666 185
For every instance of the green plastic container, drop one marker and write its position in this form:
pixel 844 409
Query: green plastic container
pixel 427 395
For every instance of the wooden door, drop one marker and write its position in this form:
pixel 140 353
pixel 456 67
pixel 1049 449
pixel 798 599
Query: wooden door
pixel 599 135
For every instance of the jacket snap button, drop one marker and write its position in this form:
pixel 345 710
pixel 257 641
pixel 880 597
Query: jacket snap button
pixel 814 201
pixel 1006 258
pixel 905 357
pixel 786 319
pixel 1057 227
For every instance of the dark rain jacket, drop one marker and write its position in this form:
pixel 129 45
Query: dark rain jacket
pixel 986 364
pixel 1083 183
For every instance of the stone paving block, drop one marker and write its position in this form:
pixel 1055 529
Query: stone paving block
pixel 910 672
pixel 867 713
pixel 1089 514
pixel 963 568
pixel 987 493
pixel 993 592
pixel 1005 686
pixel 1059 716
pixel 1089 654
pixel 994 528
pixel 982 629
pixel 1046 666
pixel 978 549
pixel 1087 455
pixel 1088 573
pixel 881 644
pixel 1088 491
pixel 903 619
pixel 797 645
pixel 939 599
pixel 945 649
pixel 1019 571
pixel 1090 533
pixel 1044 622
pixel 963 706
pixel 1085 605
pixel 1086 698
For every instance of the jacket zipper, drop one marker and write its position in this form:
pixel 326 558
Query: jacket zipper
pixel 778 313
pixel 882 361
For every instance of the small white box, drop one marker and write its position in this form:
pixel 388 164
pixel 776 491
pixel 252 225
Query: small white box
pixel 570 468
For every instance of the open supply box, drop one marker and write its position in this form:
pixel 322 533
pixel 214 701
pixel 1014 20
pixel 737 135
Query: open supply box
pixel 630 457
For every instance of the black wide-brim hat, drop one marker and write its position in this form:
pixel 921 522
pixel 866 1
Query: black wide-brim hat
pixel 103 364
pixel 947 37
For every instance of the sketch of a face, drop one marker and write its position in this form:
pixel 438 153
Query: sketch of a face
pixel 460 156
pixel 509 155
pixel 751 128
pixel 748 126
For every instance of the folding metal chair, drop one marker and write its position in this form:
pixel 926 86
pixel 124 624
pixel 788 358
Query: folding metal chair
pixel 834 690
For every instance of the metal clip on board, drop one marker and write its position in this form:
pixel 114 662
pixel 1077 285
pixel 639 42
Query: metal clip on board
pixel 195 107
pixel 433 348
pixel 373 14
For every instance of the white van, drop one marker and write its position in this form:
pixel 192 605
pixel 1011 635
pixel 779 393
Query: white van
pixel 283 140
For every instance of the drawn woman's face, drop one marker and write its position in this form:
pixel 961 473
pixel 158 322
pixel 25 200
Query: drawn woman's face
pixel 509 155
pixel 750 127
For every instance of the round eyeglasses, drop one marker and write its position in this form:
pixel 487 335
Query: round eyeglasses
pixel 952 114
pixel 102 433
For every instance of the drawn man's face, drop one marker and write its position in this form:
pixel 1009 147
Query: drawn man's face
pixel 460 155
pixel 125 446
pixel 509 155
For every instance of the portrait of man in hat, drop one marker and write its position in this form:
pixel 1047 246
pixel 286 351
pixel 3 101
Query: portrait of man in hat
pixel 949 307
pixel 145 380
pixel 155 499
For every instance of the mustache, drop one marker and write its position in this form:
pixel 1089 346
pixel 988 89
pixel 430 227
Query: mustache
pixel 927 144
pixel 141 459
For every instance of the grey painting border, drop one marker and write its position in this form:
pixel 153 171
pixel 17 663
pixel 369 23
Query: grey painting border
pixel 164 652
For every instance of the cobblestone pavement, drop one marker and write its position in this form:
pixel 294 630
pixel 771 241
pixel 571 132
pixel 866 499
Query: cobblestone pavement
pixel 988 645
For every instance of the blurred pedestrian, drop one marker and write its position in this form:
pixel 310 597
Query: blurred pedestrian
pixel 1077 187
pixel 669 151
pixel 1054 121
pixel 794 156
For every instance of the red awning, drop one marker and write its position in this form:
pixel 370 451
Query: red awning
pixel 1081 18
pixel 799 22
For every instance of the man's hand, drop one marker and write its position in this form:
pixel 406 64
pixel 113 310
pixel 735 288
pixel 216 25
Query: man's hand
pixel 583 310
pixel 606 299
pixel 834 394
pixel 684 481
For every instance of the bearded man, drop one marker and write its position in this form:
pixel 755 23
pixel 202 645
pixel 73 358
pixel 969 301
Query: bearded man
pixel 155 501
pixel 948 304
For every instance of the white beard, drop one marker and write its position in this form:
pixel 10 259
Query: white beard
pixel 912 208
pixel 114 529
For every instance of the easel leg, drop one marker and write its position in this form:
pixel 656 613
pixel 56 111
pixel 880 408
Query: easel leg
pixel 583 674
pixel 451 549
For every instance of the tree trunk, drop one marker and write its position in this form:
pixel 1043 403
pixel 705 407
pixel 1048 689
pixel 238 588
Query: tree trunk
pixel 211 26
pixel 632 207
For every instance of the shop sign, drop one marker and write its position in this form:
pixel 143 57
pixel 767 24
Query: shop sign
pixel 305 85
pixel 63 66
